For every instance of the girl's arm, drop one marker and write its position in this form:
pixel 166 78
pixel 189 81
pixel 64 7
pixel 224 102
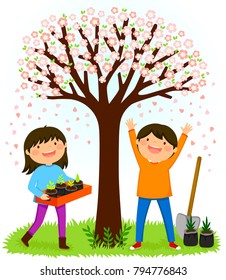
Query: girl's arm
pixel 32 185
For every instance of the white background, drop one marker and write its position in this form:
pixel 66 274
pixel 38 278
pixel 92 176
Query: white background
pixel 203 22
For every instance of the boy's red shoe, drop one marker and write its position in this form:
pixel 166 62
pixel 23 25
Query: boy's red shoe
pixel 174 246
pixel 137 245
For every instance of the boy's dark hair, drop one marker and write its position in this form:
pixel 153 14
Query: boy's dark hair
pixel 40 135
pixel 160 131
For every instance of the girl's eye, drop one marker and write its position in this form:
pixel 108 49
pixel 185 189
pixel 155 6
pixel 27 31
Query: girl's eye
pixel 38 147
pixel 147 139
pixel 164 143
pixel 55 143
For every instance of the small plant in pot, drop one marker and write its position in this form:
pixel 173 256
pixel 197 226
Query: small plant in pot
pixel 51 189
pixel 78 183
pixel 206 235
pixel 190 234
pixel 60 185
pixel 70 187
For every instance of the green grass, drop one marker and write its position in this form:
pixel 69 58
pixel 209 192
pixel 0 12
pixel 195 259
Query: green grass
pixel 45 242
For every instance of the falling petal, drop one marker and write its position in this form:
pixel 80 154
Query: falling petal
pixel 18 115
pixel 57 105
pixel 15 146
pixel 139 105
pixel 202 97
pixel 154 103
pixel 192 143
pixel 189 155
pixel 68 128
pixel 205 147
pixel 16 107
pixel 211 128
pixel 76 136
pixel 160 109
pixel 29 104
pixel 181 110
pixel 141 115
pixel 198 123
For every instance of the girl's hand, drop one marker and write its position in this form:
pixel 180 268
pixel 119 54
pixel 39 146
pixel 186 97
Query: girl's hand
pixel 130 124
pixel 186 129
pixel 45 197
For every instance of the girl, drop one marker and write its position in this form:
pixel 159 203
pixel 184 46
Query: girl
pixel 45 151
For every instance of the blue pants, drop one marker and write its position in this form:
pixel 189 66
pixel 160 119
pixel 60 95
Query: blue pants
pixel 142 209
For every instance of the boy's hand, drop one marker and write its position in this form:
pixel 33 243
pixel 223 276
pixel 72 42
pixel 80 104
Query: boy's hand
pixel 186 129
pixel 130 124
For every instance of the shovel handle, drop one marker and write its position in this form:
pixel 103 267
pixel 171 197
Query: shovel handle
pixel 194 185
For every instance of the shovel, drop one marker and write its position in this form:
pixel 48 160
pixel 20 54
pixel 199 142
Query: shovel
pixel 181 219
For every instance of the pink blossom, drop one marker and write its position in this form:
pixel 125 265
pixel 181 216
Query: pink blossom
pixel 133 14
pixel 181 33
pixel 26 39
pixel 112 41
pixel 95 41
pixel 30 51
pixel 169 74
pixel 67 70
pixel 158 65
pixel 160 54
pixel 149 58
pixel 158 45
pixel 169 50
pixel 202 65
pixel 149 24
pixel 110 20
pixel 25 75
pixel 24 86
pixel 171 27
pixel 134 44
pixel 172 59
pixel 101 14
pixel 41 51
pixel 127 30
pixel 76 26
pixel 144 72
pixel 72 17
pixel 135 66
pixel 167 84
pixel 128 55
pixel 160 21
pixel 92 69
pixel 34 86
pixel 183 78
pixel 114 56
pixel 83 43
pixel 45 86
pixel 34 34
pixel 154 78
pixel 44 73
pixel 183 54
pixel 103 49
pixel 34 79
pixel 87 32
pixel 124 67
pixel 168 38
pixel 196 53
pixel 123 16
pixel 202 83
pixel 114 10
pixel 140 22
pixel 58 79
pixel 178 85
pixel 138 56
pixel 122 42
pixel 42 61
pixel 79 66
pixel 179 66
pixel 70 37
pixel 195 74
pixel 184 92
pixel 45 37
pixel 102 79
pixel 90 11
pixel 62 22
pixel 20 62
pixel 52 18
pixel 158 33
pixel 62 58
pixel 103 33
pixel 87 55
pixel 52 28
pixel 146 35
pixel 84 18
pixel 194 88
pixel 52 50
pixel 177 44
pixel 95 21
pixel 36 43
pixel 58 35
pixel 44 23
pixel 188 43
pixel 54 67
pixel 150 14
pixel 43 96
pixel 146 48
pixel 107 67
pixel 55 91
pixel 98 58
pixel 31 65
pixel 192 62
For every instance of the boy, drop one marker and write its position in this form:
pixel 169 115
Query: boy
pixel 156 149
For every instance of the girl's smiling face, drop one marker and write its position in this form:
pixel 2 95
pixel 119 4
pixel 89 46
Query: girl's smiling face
pixel 47 152
pixel 155 149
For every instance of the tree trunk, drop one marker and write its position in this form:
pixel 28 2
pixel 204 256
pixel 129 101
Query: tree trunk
pixel 108 207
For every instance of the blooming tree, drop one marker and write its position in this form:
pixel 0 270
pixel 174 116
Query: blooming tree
pixel 109 62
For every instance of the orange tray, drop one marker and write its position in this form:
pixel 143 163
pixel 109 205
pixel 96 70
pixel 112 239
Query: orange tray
pixel 60 200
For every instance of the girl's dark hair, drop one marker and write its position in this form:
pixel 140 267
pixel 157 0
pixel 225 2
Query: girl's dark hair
pixel 40 135
pixel 160 131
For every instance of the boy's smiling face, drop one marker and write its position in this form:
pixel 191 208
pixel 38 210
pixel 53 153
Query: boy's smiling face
pixel 155 149
pixel 47 153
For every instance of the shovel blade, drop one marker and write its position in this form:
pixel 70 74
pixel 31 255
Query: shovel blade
pixel 181 221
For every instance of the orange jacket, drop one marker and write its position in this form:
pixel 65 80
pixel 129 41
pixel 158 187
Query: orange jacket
pixel 154 178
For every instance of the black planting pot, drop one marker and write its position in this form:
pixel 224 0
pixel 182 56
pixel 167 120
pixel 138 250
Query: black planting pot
pixel 61 189
pixel 206 240
pixel 190 238
pixel 52 193
pixel 69 190
pixel 79 185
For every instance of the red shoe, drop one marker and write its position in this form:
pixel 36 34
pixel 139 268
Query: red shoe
pixel 174 246
pixel 137 245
